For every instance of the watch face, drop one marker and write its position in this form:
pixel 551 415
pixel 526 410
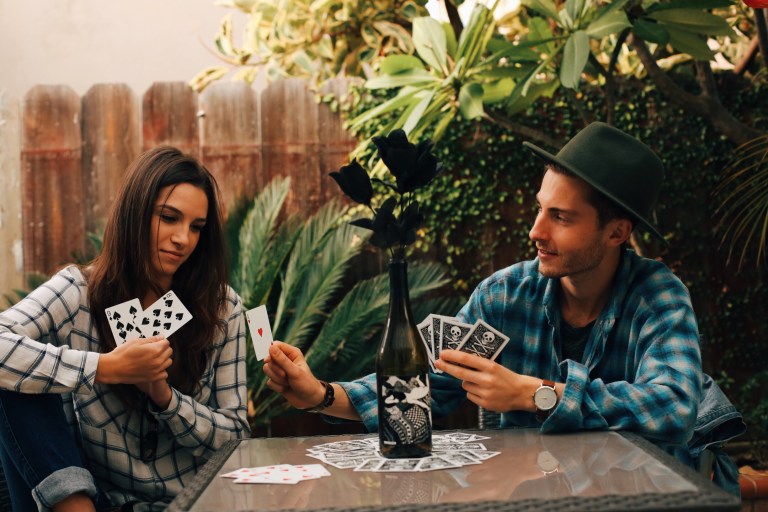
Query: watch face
pixel 547 462
pixel 545 398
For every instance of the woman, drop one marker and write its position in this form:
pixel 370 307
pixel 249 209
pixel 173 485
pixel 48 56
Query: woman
pixel 144 414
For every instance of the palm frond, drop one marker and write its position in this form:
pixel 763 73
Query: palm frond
pixel 255 233
pixel 347 333
pixel 314 272
pixel 743 209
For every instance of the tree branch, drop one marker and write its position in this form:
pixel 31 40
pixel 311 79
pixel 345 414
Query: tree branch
pixel 454 18
pixel 762 34
pixel 743 64
pixel 705 105
pixel 524 131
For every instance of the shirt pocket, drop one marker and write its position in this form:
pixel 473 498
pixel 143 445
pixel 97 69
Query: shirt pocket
pixel 114 457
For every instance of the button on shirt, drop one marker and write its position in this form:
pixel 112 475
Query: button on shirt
pixel 49 344
pixel 641 367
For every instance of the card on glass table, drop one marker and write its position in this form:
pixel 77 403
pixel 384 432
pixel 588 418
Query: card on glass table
pixel 261 331
pixel 165 316
pixel 484 341
pixel 123 318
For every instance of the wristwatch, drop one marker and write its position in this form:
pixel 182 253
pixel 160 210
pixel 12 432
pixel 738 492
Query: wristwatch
pixel 328 399
pixel 547 463
pixel 545 400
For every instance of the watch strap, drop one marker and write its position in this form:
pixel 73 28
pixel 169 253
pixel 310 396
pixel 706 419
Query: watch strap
pixel 328 398
pixel 542 415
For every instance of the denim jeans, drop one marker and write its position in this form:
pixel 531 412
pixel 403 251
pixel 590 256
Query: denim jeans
pixel 40 456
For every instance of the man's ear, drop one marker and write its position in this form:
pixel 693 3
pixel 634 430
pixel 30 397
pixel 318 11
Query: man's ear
pixel 619 231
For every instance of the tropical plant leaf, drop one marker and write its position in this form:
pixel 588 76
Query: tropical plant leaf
pixel 314 273
pixel 575 57
pixel 395 64
pixel 611 23
pixel 651 31
pixel 575 8
pixel 429 39
pixel 546 7
pixel 743 208
pixel 691 43
pixel 689 4
pixel 692 20
pixel 415 115
pixel 257 229
pixel 471 101
pixel 409 77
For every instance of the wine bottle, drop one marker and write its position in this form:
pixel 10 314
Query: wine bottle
pixel 402 377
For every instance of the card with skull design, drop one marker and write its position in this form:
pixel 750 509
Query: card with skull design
pixel 452 333
pixel 484 340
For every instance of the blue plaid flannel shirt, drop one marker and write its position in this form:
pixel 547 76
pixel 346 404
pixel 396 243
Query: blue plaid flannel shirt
pixel 49 344
pixel 642 362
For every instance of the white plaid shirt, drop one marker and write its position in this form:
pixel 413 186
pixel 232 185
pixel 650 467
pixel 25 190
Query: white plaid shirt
pixel 49 344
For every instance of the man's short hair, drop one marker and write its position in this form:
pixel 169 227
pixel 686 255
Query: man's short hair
pixel 607 210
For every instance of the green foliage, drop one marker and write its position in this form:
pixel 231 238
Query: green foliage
pixel 317 39
pixel 298 269
pixel 743 210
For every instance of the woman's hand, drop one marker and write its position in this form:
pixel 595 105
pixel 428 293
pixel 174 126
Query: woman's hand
pixel 158 391
pixel 136 361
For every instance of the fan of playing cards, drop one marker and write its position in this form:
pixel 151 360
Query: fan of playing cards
pixel 129 321
pixel 440 332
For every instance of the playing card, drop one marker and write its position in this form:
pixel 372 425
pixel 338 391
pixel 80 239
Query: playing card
pixel 425 330
pixel 484 341
pixel 436 322
pixel 122 319
pixel 166 316
pixel 452 333
pixel 397 465
pixel 436 462
pixel 261 331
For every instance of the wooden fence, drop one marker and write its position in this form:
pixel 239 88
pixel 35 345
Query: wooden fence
pixel 62 157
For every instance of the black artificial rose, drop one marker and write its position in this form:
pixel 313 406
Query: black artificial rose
pixel 412 166
pixel 354 182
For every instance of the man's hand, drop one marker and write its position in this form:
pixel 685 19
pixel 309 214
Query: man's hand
pixel 288 374
pixel 136 361
pixel 488 384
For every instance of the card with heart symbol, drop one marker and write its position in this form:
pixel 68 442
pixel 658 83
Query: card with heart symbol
pixel 261 331
pixel 164 317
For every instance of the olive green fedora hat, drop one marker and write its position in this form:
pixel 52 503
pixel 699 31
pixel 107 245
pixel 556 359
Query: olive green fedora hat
pixel 615 163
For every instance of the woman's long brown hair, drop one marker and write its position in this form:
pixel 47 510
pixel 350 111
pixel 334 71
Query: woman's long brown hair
pixel 123 270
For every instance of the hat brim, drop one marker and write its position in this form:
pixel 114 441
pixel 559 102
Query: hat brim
pixel 550 158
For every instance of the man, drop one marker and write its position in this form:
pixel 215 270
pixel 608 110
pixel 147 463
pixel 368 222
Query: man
pixel 600 338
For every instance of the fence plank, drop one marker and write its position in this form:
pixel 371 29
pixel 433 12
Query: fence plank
pixel 289 128
pixel 170 117
pixel 335 142
pixel 231 142
pixel 110 143
pixel 11 256
pixel 52 182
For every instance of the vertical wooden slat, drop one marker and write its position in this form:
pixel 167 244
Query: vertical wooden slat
pixel 335 142
pixel 11 256
pixel 231 142
pixel 290 142
pixel 110 143
pixel 52 181
pixel 170 117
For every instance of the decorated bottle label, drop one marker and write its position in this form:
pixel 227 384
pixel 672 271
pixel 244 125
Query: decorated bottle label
pixel 405 416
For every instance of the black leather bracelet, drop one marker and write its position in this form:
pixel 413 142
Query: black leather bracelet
pixel 327 399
